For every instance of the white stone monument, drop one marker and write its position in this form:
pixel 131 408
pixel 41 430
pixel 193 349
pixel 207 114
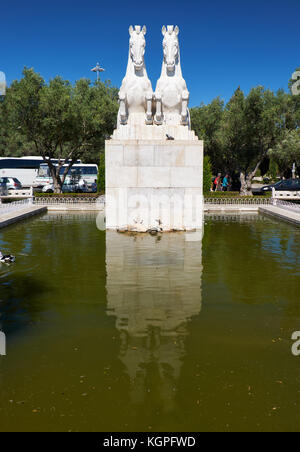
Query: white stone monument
pixel 154 161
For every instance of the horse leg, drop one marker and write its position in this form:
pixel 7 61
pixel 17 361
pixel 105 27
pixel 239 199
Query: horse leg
pixel 158 115
pixel 184 112
pixel 123 113
pixel 149 118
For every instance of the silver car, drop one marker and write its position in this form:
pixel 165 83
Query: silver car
pixel 68 187
pixel 10 183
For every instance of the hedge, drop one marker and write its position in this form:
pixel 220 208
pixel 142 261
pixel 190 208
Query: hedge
pixel 68 195
pixel 234 194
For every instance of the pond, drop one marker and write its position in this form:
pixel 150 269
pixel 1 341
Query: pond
pixel 112 332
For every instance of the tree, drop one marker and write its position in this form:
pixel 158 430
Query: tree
pixel 62 121
pixel 101 174
pixel 287 151
pixel 250 127
pixel 206 121
pixel 274 169
pixel 207 175
pixel 12 142
pixel 238 135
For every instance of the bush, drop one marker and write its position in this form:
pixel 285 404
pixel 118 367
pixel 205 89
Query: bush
pixel 67 195
pixel 234 194
pixel 207 175
pixel 222 194
pixel 273 170
pixel 101 173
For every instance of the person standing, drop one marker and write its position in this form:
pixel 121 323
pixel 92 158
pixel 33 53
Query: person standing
pixel 225 183
pixel 217 182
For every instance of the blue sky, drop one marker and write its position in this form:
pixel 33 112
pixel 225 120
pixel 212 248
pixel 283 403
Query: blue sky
pixel 224 43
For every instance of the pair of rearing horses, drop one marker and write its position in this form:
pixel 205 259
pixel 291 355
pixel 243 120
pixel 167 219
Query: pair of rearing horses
pixel 169 103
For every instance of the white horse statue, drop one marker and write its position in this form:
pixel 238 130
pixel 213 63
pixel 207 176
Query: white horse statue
pixel 171 94
pixel 136 94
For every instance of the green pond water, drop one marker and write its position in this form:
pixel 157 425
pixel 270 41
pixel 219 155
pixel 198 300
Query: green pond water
pixel 110 332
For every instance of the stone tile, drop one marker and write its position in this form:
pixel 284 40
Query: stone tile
pixel 188 177
pixel 154 177
pixel 121 177
pixel 139 155
pixel 114 155
pixel 194 155
pixel 169 155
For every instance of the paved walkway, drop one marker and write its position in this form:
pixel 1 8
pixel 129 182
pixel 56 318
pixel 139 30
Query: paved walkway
pixel 77 206
pixel 21 214
pixel 230 208
pixel 282 213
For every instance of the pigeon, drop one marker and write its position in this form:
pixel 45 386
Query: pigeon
pixel 169 137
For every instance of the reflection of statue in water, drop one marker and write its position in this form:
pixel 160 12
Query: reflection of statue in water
pixel 153 290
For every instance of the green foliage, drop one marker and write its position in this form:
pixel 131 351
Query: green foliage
pixel 206 121
pixel 237 136
pixel 59 120
pixel 12 142
pixel 249 128
pixel 287 151
pixel 222 194
pixel 233 194
pixel 273 169
pixel 67 195
pixel 101 173
pixel 207 174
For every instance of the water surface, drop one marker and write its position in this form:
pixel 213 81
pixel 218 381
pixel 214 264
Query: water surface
pixel 110 332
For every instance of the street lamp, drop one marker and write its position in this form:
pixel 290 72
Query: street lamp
pixel 98 69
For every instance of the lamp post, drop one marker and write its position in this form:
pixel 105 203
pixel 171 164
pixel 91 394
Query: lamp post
pixel 97 69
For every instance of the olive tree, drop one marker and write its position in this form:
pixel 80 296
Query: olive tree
pixel 62 121
pixel 251 125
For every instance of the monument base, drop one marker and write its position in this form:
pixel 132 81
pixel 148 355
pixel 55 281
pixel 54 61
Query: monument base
pixel 154 185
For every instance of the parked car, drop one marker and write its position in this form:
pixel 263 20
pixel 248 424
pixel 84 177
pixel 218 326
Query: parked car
pixel 68 187
pixel 10 183
pixel 3 189
pixel 283 185
pixel 92 188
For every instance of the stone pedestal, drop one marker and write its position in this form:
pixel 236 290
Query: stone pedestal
pixel 154 184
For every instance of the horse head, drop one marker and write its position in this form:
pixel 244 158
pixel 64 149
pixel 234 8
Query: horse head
pixel 170 46
pixel 137 45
